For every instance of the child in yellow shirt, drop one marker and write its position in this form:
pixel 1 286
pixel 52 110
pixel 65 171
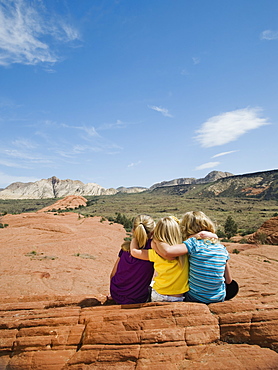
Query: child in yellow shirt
pixel 171 280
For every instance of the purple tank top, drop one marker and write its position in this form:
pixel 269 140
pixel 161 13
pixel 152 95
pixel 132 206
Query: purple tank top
pixel 131 282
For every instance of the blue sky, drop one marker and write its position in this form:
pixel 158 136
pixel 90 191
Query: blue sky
pixel 130 93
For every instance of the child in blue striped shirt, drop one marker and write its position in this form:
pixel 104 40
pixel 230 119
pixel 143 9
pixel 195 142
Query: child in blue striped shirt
pixel 209 272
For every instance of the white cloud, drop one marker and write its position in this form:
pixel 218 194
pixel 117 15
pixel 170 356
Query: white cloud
pixel 116 125
pixel 224 153
pixel 164 111
pixel 196 60
pixel 134 164
pixel 269 35
pixel 207 165
pixel 229 126
pixel 6 180
pixel 23 32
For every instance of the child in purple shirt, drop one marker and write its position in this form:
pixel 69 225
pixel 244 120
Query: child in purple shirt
pixel 131 277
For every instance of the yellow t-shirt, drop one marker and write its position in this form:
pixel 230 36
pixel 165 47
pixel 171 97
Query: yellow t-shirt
pixel 171 277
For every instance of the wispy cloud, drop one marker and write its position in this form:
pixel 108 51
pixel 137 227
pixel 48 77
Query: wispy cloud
pixel 25 30
pixel 164 111
pixel 196 60
pixel 229 126
pixel 24 144
pixel 114 125
pixel 134 164
pixel 269 35
pixel 224 153
pixel 90 131
pixel 207 165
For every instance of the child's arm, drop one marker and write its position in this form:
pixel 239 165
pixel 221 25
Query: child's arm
pixel 114 270
pixel 169 251
pixel 160 250
pixel 227 274
pixel 204 235
pixel 142 254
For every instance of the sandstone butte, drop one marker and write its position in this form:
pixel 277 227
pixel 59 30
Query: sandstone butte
pixel 54 278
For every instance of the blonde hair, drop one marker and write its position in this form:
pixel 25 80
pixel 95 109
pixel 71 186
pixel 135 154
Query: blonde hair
pixel 168 230
pixel 143 226
pixel 194 222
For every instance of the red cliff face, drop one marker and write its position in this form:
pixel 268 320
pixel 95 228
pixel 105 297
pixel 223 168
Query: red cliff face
pixel 267 233
pixel 54 278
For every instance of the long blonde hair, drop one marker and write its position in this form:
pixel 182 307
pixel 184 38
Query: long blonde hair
pixel 168 230
pixel 194 222
pixel 143 226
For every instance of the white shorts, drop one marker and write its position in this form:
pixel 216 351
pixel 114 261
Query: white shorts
pixel 156 297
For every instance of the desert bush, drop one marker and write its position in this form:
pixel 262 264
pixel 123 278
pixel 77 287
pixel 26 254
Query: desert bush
pixel 261 237
pixel 243 241
pixel 2 226
pixel 221 234
pixel 230 227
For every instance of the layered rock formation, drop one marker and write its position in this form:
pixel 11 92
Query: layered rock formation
pixel 211 177
pixel 62 334
pixel 69 202
pixel 267 233
pixel 52 188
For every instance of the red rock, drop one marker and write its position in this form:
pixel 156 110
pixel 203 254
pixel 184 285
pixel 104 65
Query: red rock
pixel 267 233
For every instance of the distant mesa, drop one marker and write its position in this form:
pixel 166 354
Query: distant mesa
pixel 211 177
pixel 56 188
pixel 263 185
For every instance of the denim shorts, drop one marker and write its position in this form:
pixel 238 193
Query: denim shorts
pixel 156 297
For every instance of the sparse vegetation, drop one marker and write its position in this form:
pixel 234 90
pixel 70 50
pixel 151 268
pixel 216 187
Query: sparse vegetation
pixel 261 237
pixel 2 226
pixel 160 203
pixel 85 256
pixel 39 256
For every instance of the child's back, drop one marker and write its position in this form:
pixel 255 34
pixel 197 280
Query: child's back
pixel 207 260
pixel 131 277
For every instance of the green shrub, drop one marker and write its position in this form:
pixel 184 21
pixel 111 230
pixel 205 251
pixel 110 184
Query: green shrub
pixel 230 227
pixel 221 234
pixel 261 237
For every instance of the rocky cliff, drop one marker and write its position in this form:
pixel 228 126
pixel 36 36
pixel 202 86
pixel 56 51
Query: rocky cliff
pixel 56 188
pixel 260 185
pixel 211 177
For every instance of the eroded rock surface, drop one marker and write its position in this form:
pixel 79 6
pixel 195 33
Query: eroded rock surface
pixel 63 334
pixel 267 233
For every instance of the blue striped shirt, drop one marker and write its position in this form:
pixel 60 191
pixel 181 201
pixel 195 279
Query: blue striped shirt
pixel 207 263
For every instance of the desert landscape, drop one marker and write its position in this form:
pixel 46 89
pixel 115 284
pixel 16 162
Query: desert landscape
pixel 54 281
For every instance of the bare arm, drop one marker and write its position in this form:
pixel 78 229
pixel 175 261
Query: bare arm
pixel 157 248
pixel 114 270
pixel 169 251
pixel 227 274
pixel 204 235
pixel 142 254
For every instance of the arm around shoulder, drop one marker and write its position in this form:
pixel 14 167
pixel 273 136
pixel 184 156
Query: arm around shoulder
pixel 169 251
pixel 142 254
